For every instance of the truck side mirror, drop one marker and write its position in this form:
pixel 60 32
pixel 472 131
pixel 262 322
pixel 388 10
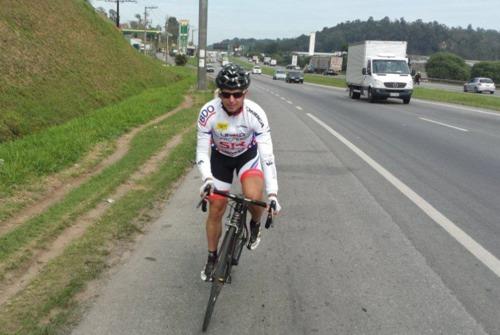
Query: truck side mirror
pixel 363 71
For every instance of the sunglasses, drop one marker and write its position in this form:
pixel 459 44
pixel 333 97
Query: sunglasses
pixel 236 95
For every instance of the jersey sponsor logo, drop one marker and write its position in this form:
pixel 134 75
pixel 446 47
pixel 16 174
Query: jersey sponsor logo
pixel 221 126
pixel 256 116
pixel 269 163
pixel 205 115
pixel 232 145
pixel 233 135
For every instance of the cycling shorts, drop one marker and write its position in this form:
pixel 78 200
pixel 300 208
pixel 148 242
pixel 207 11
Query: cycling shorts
pixel 223 167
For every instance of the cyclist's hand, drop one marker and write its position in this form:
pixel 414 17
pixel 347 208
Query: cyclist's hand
pixel 207 187
pixel 277 207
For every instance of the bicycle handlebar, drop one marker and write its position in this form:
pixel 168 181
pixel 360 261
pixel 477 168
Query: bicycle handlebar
pixel 240 199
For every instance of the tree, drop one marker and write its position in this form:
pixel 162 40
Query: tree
pixel 101 11
pixel 487 69
pixel 445 65
pixel 180 59
pixel 112 15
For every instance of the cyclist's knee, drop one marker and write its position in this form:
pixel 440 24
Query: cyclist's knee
pixel 217 208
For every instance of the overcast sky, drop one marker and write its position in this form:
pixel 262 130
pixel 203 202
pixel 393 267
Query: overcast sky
pixel 289 18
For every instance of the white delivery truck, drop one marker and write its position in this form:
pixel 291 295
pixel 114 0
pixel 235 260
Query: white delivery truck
pixel 379 70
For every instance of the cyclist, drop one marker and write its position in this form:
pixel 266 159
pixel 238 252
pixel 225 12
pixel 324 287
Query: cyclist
pixel 234 136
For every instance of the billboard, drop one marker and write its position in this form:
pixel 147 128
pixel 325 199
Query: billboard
pixel 183 36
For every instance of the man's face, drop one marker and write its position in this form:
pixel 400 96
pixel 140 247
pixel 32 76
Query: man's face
pixel 232 99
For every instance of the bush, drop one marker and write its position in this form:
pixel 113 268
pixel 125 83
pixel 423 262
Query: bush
pixel 487 69
pixel 445 65
pixel 180 59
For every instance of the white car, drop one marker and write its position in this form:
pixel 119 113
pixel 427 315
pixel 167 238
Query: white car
pixel 256 70
pixel 480 85
pixel 279 75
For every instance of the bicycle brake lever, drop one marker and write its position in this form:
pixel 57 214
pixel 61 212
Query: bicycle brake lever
pixel 203 203
pixel 269 220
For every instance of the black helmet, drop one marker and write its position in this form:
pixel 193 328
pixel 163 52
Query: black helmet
pixel 232 77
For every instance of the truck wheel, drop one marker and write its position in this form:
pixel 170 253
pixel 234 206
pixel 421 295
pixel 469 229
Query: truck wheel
pixel 406 101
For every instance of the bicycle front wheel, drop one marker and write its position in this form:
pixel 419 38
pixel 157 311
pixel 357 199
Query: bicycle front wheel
pixel 222 269
pixel 214 293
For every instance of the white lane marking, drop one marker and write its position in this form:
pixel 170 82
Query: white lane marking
pixel 442 124
pixel 298 107
pixel 282 98
pixel 488 259
pixel 289 102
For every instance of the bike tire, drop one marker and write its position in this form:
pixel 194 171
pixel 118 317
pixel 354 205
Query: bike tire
pixel 214 293
pixel 222 271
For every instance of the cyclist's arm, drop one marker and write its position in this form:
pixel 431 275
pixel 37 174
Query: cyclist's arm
pixel 204 138
pixel 265 148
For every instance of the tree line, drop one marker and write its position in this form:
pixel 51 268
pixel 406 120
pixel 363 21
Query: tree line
pixel 423 39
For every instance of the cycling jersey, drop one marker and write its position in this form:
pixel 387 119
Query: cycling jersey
pixel 232 135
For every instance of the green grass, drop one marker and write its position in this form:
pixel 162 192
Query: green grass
pixel 50 151
pixel 324 80
pixel 61 60
pixel 466 99
pixel 49 224
pixel 49 303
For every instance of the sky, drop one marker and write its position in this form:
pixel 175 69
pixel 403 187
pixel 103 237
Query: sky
pixel 290 18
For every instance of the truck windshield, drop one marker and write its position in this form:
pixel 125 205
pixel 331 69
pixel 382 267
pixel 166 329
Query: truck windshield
pixel 390 66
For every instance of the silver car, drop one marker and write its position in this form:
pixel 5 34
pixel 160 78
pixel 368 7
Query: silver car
pixel 279 75
pixel 480 85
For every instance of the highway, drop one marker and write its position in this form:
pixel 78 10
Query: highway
pixel 389 226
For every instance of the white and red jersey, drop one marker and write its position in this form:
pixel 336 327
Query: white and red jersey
pixel 232 135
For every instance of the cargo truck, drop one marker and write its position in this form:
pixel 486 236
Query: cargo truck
pixel 321 64
pixel 379 70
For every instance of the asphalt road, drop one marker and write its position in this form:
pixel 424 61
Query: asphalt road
pixel 389 226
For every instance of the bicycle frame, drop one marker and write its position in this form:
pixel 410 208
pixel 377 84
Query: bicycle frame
pixel 230 250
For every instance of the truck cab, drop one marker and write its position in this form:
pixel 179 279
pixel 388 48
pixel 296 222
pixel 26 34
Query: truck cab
pixel 379 70
pixel 387 77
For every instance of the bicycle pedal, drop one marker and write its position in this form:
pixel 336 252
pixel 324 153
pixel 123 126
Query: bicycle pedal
pixel 228 280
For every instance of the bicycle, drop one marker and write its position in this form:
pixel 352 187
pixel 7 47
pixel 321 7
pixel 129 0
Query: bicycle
pixel 235 237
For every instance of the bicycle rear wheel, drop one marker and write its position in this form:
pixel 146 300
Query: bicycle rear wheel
pixel 222 271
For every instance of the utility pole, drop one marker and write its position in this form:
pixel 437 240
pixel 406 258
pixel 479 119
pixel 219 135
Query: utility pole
pixel 166 33
pixel 118 9
pixel 192 34
pixel 145 23
pixel 202 44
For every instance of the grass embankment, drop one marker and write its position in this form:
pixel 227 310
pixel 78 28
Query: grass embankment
pixel 26 161
pixel 49 303
pixel 466 99
pixel 60 60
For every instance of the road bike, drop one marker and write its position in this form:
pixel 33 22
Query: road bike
pixel 235 238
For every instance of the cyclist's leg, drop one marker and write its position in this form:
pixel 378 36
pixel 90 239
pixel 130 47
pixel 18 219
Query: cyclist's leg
pixel 252 182
pixel 216 209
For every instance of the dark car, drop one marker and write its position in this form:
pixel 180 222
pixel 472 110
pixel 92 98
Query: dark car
pixel 329 73
pixel 210 68
pixel 294 77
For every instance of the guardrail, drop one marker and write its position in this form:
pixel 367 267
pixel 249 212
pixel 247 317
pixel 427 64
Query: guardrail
pixel 445 81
